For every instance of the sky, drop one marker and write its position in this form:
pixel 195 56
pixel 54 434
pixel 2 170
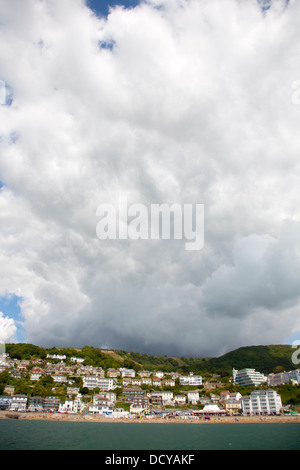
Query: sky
pixel 102 7
pixel 159 102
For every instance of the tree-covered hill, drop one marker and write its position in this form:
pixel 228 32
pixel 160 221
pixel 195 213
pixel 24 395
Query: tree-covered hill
pixel 265 359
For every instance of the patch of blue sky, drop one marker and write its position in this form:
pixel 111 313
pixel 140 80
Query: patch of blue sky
pixel 6 94
pixel 294 338
pixel 101 8
pixel 14 137
pixel 10 306
pixel 108 45
pixel 267 4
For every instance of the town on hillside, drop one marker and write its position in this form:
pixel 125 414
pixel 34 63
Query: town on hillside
pixel 58 384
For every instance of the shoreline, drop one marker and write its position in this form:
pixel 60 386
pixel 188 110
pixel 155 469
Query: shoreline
pixel 65 417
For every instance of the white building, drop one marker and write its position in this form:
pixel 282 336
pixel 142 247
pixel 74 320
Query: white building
pixel 18 403
pixel 59 379
pixel 103 398
pixel 262 402
pixel 112 397
pixel 136 382
pixel 106 384
pixel 78 404
pixel 102 383
pixel 167 397
pixel 127 372
pixel 119 413
pixel 194 380
pixel 56 356
pixel 126 381
pixel 158 374
pixel 101 408
pixel 193 397
pixel 72 406
pixel 147 381
pixel 180 399
pixel 77 359
pixel 66 407
pixel 248 377
pixel 283 378
pixel 90 382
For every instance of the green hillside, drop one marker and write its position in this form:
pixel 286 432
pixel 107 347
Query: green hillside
pixel 265 359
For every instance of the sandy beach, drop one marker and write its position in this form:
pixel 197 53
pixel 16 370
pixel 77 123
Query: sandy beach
pixel 102 419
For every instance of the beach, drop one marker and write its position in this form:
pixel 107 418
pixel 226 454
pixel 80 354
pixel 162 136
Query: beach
pixel 184 419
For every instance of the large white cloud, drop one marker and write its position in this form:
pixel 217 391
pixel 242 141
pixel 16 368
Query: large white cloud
pixel 8 330
pixel 169 102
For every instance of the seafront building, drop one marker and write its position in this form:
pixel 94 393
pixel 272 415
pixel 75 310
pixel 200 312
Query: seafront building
pixel 19 403
pixel 36 404
pixel 247 377
pixel 262 402
pixel 232 406
pixel 51 404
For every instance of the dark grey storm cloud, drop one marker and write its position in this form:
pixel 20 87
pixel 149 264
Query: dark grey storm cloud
pixel 194 102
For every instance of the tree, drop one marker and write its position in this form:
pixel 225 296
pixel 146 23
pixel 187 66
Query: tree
pixel 118 391
pixel 4 377
pixel 22 387
pixel 46 380
pixel 39 391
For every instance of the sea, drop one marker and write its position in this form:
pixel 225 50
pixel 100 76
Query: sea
pixel 51 435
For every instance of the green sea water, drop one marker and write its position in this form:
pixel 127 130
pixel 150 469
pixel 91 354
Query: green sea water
pixel 40 435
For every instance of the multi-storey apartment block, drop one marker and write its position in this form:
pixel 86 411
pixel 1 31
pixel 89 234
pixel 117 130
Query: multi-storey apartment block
pixel 102 383
pixel 262 402
pixel 247 377
pixel 36 404
pixel 51 404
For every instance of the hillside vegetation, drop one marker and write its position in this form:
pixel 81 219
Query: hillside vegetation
pixel 265 359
